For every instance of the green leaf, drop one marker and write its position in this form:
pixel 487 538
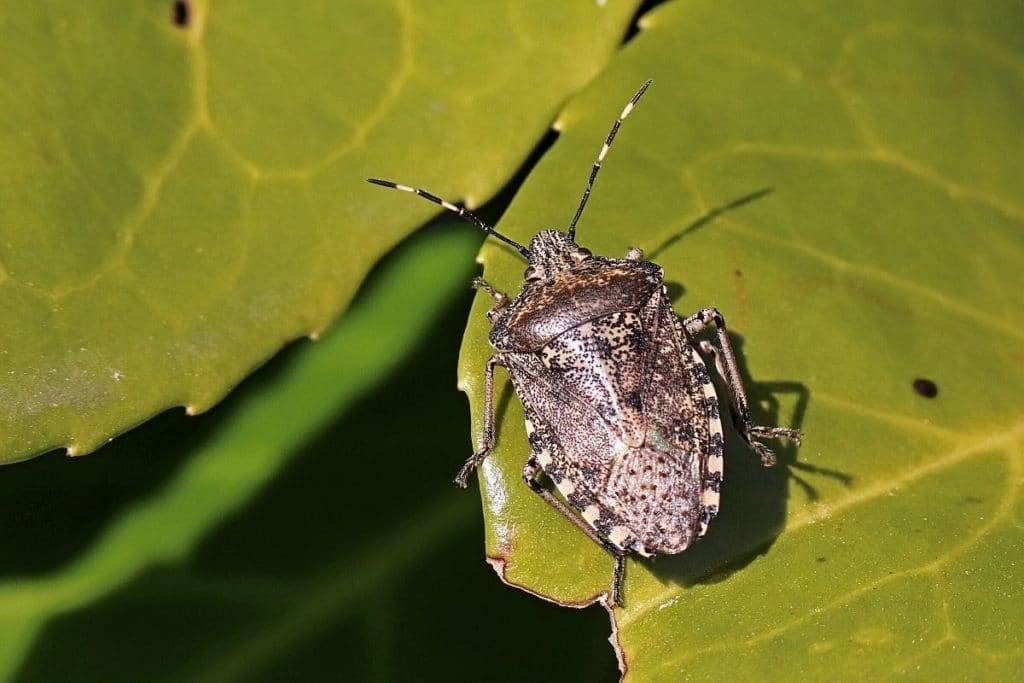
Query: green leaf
pixel 304 529
pixel 889 249
pixel 177 202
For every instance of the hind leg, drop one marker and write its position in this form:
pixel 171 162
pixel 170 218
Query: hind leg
pixel 530 472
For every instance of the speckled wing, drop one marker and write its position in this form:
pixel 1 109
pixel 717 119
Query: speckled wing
pixel 618 417
pixel 668 488
pixel 571 441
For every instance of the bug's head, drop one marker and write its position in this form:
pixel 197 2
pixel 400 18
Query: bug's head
pixel 551 251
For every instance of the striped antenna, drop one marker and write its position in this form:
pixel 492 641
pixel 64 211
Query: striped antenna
pixel 461 212
pixel 603 153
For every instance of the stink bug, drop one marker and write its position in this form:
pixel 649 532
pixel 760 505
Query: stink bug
pixel 620 411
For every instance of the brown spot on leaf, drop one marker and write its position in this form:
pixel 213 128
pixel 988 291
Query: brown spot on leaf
pixel 741 294
pixel 926 388
pixel 181 13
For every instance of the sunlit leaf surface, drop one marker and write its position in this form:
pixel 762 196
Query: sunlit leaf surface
pixel 178 199
pixel 889 249
pixel 305 529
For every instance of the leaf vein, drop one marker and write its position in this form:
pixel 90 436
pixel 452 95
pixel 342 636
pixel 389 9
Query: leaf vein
pixel 931 568
pixel 840 265
pixel 929 466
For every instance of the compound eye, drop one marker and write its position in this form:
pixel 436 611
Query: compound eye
pixel 531 273
pixel 582 254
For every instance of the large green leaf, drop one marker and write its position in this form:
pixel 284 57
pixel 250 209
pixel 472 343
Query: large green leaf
pixel 230 546
pixel 176 202
pixel 890 249
pixel 220 471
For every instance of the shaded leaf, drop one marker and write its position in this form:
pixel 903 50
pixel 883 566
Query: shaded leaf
pixel 889 250
pixel 177 202
pixel 231 545
pixel 338 548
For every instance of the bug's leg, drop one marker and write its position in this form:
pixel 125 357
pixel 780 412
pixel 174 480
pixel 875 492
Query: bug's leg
pixel 725 361
pixel 530 471
pixel 501 299
pixel 488 437
pixel 618 577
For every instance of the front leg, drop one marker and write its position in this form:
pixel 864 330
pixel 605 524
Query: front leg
pixel 501 299
pixel 488 436
pixel 725 361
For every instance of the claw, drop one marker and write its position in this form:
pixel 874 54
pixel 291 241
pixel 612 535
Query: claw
pixel 766 454
pixel 462 478
pixel 760 432
pixel 794 435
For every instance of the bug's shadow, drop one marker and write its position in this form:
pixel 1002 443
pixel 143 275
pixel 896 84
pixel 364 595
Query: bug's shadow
pixel 707 219
pixel 754 498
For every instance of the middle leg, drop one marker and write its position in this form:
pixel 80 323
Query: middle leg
pixel 487 446
pixel 725 362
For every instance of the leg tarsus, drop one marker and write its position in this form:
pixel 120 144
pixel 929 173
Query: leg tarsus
pixel 766 454
pixel 763 432
pixel 462 478
pixel 480 283
pixel 501 299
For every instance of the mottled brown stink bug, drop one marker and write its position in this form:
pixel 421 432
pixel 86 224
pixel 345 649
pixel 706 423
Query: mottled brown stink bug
pixel 620 411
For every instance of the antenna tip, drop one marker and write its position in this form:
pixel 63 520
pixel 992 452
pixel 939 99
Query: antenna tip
pixel 378 181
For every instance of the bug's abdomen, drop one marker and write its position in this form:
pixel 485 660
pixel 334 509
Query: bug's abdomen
pixel 657 489
pixel 669 488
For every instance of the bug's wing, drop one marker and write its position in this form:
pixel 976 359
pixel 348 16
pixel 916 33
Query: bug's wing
pixel 574 445
pixel 601 363
pixel 670 484
pixel 623 418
